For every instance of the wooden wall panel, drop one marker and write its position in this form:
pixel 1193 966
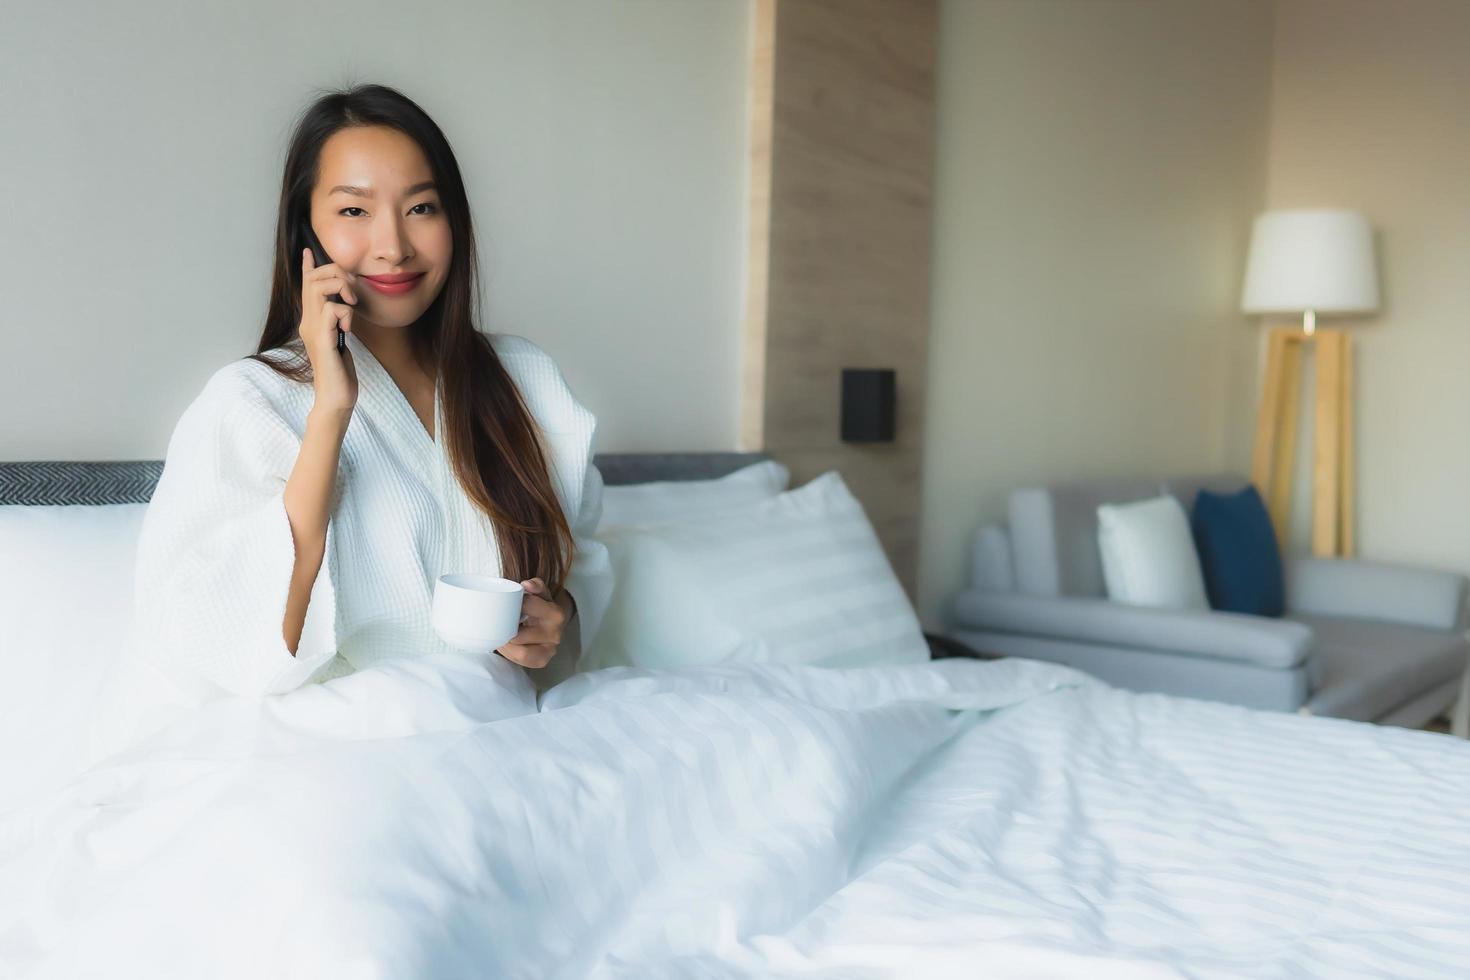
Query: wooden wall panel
pixel 841 160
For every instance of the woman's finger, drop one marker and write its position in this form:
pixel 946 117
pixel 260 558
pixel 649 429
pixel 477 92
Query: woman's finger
pixel 331 275
pixel 344 318
pixel 314 271
pixel 528 654
pixel 541 653
pixel 537 631
pixel 322 288
pixel 537 609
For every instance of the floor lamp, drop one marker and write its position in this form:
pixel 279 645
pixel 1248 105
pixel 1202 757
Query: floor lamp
pixel 1309 262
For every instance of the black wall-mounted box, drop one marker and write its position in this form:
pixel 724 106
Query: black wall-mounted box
pixel 868 404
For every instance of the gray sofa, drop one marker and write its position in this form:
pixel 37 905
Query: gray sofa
pixel 1363 640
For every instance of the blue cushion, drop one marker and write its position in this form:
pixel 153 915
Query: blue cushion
pixel 1238 553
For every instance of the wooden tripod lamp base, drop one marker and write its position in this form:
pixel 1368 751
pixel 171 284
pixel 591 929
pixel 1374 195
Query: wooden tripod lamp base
pixel 1273 465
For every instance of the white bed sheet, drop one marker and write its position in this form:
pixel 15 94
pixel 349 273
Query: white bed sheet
pixel 1001 819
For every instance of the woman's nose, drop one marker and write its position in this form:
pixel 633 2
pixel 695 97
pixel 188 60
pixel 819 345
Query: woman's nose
pixel 392 247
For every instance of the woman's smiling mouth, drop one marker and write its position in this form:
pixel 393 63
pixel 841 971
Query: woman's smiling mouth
pixel 395 285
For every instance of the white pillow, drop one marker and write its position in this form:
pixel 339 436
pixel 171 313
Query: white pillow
pixel 798 578
pixel 1148 554
pixel 665 501
pixel 66 591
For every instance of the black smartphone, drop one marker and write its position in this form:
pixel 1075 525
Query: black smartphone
pixel 319 255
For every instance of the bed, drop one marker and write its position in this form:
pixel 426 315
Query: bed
pixel 953 817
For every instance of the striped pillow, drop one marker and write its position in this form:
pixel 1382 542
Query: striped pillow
pixel 798 578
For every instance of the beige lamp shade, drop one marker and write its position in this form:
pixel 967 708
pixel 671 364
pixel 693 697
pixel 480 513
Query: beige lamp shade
pixel 1311 259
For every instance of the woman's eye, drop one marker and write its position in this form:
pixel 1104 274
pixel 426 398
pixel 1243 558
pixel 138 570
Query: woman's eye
pixel 425 204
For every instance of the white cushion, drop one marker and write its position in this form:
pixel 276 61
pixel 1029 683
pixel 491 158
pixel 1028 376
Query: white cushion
pixel 797 578
pixel 665 501
pixel 1148 554
pixel 66 592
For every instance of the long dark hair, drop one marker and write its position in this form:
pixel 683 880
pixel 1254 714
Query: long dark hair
pixel 492 439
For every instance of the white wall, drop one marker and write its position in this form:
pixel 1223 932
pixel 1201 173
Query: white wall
pixel 1099 164
pixel 141 144
pixel 1371 110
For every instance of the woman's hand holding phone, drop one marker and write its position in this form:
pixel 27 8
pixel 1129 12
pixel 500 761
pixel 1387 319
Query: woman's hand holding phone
pixel 333 371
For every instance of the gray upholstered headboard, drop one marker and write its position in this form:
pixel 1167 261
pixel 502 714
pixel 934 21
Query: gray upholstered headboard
pixel 132 481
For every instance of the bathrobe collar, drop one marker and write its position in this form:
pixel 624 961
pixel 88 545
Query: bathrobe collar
pixel 390 410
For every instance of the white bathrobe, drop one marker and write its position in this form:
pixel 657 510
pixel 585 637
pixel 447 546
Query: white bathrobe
pixel 216 553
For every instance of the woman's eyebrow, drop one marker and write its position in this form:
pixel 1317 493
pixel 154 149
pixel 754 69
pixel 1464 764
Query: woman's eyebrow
pixel 425 185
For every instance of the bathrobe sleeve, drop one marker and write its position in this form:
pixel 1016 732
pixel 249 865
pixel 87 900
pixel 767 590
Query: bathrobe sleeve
pixel 216 552
pixel 590 578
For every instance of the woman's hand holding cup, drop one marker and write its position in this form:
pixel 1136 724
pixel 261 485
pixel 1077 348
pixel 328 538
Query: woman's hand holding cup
pixel 542 622
pixel 519 620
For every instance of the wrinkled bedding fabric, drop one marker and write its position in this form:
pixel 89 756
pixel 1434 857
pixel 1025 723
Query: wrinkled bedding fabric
pixel 427 818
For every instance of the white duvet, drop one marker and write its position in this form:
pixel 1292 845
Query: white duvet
pixel 425 819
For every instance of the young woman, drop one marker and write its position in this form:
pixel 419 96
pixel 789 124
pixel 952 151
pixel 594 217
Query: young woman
pixel 313 493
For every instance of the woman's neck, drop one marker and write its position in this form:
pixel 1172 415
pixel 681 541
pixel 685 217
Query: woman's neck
pixel 393 348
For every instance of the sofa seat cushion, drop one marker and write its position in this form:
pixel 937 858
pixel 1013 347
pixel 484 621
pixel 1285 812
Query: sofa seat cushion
pixel 1368 669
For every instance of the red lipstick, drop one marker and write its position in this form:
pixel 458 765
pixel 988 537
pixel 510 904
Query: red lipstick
pixel 396 284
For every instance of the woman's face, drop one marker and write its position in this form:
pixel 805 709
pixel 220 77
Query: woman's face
pixel 376 212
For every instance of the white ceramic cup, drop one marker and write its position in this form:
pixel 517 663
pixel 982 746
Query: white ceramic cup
pixel 476 612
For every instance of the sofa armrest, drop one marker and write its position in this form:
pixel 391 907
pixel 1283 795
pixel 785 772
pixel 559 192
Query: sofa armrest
pixel 1225 636
pixel 1380 591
